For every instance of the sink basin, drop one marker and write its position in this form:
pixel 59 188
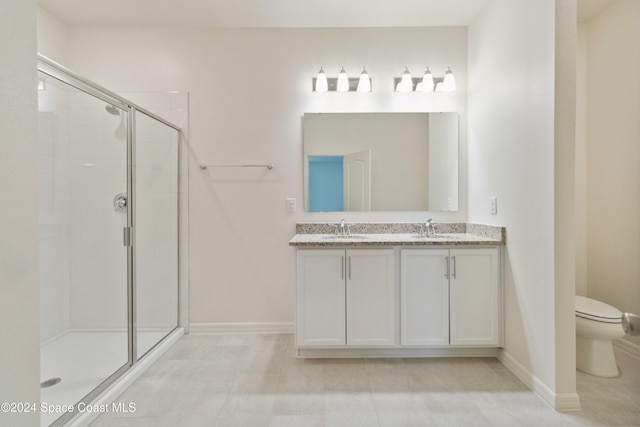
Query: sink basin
pixel 349 236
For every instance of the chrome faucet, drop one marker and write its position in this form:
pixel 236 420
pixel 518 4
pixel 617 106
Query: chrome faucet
pixel 428 228
pixel 342 229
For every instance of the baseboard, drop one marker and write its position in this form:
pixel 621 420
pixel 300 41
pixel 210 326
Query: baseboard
pixel 342 352
pixel 559 402
pixel 243 327
pixel 628 347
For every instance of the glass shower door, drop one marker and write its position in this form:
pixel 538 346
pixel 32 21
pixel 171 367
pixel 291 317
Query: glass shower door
pixel 84 263
pixel 156 229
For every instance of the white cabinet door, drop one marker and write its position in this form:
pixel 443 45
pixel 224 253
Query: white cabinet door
pixel 320 298
pixel 424 297
pixel 475 297
pixel 370 297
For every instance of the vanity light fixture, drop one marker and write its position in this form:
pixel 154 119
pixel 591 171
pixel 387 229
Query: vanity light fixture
pixel 427 83
pixel 449 84
pixel 364 84
pixel 406 83
pixel 321 82
pixel 343 81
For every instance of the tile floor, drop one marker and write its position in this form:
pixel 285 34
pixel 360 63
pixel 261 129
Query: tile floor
pixel 255 380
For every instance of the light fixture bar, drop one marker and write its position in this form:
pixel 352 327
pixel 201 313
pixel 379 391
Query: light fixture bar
pixel 415 81
pixel 332 84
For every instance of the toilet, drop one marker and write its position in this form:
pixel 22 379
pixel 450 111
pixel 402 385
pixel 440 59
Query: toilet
pixel 597 325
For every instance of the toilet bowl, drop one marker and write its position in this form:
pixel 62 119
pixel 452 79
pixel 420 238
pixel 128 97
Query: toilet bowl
pixel 597 325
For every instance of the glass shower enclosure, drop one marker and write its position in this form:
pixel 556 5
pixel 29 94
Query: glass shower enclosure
pixel 109 236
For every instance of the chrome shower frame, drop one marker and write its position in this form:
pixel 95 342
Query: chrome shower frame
pixel 63 74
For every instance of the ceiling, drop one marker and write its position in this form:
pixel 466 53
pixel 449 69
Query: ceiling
pixel 267 13
pixel 281 13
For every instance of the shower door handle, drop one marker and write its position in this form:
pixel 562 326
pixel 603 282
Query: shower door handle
pixel 127 236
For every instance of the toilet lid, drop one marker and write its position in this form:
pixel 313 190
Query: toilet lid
pixel 591 309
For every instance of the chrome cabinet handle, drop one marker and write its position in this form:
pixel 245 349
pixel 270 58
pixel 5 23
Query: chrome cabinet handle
pixel 349 258
pixel 342 267
pixel 446 260
pixel 454 266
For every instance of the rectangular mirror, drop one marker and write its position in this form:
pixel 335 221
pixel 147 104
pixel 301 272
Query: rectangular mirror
pixel 380 162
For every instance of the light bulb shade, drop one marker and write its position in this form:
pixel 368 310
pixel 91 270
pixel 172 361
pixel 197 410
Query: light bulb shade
pixel 406 83
pixel 427 82
pixel 449 84
pixel 364 84
pixel 343 81
pixel 321 82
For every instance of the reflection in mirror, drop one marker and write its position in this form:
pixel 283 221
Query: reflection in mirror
pixel 380 162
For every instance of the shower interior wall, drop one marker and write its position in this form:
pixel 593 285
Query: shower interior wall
pixel 77 183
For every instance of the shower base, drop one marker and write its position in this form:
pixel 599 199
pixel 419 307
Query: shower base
pixel 83 360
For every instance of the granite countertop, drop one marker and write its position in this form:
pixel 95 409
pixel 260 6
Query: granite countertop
pixel 397 234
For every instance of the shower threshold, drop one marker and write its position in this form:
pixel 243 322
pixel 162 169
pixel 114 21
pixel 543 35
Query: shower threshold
pixel 84 359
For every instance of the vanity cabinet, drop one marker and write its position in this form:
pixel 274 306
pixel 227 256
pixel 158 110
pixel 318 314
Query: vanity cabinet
pixel 424 297
pixel 345 298
pixel 450 297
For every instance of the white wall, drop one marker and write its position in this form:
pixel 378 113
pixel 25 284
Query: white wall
pixel 613 155
pixel 248 91
pixel 52 37
pixel 511 156
pixel 19 299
